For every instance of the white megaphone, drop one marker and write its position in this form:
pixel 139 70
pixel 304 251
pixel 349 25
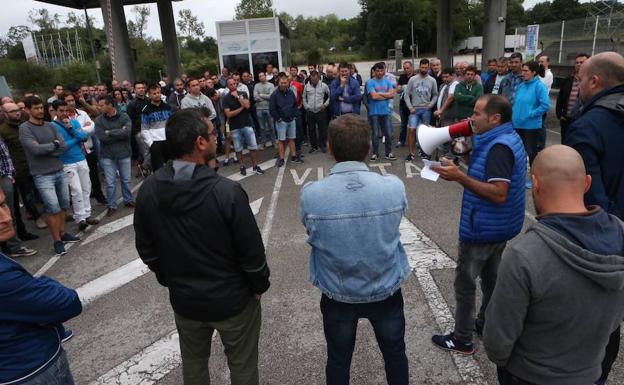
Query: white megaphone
pixel 430 138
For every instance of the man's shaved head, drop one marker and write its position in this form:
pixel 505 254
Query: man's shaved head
pixel 605 70
pixel 559 180
pixel 10 107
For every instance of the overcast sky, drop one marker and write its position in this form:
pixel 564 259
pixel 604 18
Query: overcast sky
pixel 208 11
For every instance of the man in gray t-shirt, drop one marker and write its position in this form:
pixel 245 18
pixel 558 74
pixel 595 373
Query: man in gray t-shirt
pixel 43 145
pixel 420 96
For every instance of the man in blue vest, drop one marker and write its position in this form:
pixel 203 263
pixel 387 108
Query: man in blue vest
pixel 492 213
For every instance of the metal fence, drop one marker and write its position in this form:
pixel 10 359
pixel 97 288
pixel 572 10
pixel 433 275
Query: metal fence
pixel 562 41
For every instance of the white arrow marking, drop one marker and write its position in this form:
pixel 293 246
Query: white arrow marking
pixel 255 206
pixel 424 255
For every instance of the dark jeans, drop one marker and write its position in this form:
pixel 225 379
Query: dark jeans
pixel 611 355
pixel 379 125
pixel 405 113
pixel 565 123
pixel 299 138
pixel 94 175
pixel 506 378
pixel 541 142
pixel 530 139
pixel 159 154
pixel 340 322
pixel 26 188
pixel 317 127
pixel 14 243
pixel 475 260
pixel 56 374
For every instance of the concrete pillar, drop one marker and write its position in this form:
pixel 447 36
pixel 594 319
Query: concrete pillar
pixel 445 33
pixel 169 38
pixel 494 30
pixel 118 39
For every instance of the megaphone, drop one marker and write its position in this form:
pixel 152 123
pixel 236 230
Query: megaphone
pixel 430 138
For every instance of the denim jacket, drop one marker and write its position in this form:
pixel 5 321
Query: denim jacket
pixel 352 219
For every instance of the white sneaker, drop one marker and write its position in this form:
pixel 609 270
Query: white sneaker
pixel 41 224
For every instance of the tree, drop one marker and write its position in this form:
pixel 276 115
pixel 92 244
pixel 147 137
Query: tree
pixel 250 9
pixel 42 19
pixel 137 26
pixel 75 20
pixel 189 25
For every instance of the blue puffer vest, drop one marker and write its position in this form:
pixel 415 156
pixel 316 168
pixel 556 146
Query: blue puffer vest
pixel 483 221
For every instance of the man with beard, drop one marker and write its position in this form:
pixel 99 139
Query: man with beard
pixel 134 112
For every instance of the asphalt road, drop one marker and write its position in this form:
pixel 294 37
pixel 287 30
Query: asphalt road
pixel 126 334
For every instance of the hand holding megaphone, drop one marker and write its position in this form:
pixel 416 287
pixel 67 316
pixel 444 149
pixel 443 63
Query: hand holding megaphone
pixel 430 138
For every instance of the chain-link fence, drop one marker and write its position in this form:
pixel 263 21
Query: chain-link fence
pixel 562 41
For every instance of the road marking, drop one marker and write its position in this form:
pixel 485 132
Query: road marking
pixel 381 166
pixel 299 181
pixel 255 206
pixel 425 255
pixel 109 228
pixel 554 132
pixel 111 281
pixel 268 221
pixel 48 265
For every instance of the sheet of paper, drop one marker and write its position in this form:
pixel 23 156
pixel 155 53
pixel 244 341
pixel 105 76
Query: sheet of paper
pixel 427 172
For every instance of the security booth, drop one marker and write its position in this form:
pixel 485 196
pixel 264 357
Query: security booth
pixel 251 44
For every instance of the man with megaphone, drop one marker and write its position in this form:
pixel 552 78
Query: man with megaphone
pixel 492 213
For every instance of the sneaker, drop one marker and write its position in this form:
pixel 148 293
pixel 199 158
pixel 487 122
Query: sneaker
pixel 236 161
pixel 409 158
pixel 313 150
pixel 93 221
pixel 398 145
pixel 373 158
pixel 28 237
pixel 130 205
pixel 390 156
pixel 279 163
pixel 479 327
pixel 450 343
pixel 67 335
pixel 82 225
pixel 41 224
pixel 423 155
pixel 528 184
pixel 258 170
pixel 261 147
pixel 68 238
pixel 296 159
pixel 227 162
pixel 59 248
pixel 243 170
pixel 22 252
pixel 110 212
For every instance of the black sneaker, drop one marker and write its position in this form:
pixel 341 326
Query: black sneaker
pixel 423 155
pixel 258 170
pixel 59 248
pixel 450 343
pixel 227 162
pixel 390 156
pixel 312 150
pixel 296 159
pixel 22 252
pixel 409 158
pixel 373 158
pixel 67 335
pixel 95 221
pixel 82 225
pixel 68 238
pixel 279 163
pixel 243 171
pixel 28 237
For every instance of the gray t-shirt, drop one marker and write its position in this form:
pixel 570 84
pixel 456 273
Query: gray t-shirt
pixel 38 143
pixel 421 92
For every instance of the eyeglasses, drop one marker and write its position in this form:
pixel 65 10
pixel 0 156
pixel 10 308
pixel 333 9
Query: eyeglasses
pixel 14 111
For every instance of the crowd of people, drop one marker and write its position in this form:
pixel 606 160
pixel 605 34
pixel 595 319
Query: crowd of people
pixel 537 290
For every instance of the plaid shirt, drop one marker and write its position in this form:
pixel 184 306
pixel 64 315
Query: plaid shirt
pixel 6 164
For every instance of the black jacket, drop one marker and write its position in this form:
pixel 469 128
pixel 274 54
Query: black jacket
pixel 201 239
pixel 598 135
pixel 134 112
pixel 565 88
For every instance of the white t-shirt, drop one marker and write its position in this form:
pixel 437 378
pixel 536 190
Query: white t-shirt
pixel 547 80
pixel 452 86
pixel 497 83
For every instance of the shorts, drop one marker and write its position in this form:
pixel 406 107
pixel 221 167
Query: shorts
pixel 421 116
pixel 54 191
pixel 247 134
pixel 286 130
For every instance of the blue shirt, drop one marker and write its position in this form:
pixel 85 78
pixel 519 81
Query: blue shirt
pixel 378 107
pixel 74 139
pixel 357 255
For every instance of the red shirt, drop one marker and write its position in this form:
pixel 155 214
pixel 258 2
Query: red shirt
pixel 298 89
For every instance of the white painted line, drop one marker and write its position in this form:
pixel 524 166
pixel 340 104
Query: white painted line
pixel 111 281
pixel 109 228
pixel 425 255
pixel 300 180
pixel 255 206
pixel 268 221
pixel 48 265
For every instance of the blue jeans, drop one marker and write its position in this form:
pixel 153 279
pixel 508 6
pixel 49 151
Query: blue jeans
pixel 54 191
pixel 57 373
pixel 111 166
pixel 340 322
pixel 266 126
pixel 381 127
pixel 421 116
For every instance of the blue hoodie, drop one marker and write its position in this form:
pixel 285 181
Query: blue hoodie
pixel 31 317
pixel 74 138
pixel 530 103
pixel 355 95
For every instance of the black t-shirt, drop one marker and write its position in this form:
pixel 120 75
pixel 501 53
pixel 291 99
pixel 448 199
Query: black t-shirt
pixel 403 80
pixel 500 164
pixel 242 119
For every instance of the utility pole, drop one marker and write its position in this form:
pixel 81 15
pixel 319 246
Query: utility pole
pixel 494 30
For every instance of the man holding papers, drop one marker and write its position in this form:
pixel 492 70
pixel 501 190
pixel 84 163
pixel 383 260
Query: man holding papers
pixel 492 213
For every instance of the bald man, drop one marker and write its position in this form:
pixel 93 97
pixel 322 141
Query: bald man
pixel 560 288
pixel 598 135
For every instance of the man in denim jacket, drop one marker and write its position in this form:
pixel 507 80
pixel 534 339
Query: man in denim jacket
pixel 357 259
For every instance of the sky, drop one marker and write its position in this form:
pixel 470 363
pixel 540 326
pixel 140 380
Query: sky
pixel 208 11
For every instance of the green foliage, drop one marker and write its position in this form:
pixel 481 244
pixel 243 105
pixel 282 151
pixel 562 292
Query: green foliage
pixel 251 9
pixel 137 26
pixel 189 25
